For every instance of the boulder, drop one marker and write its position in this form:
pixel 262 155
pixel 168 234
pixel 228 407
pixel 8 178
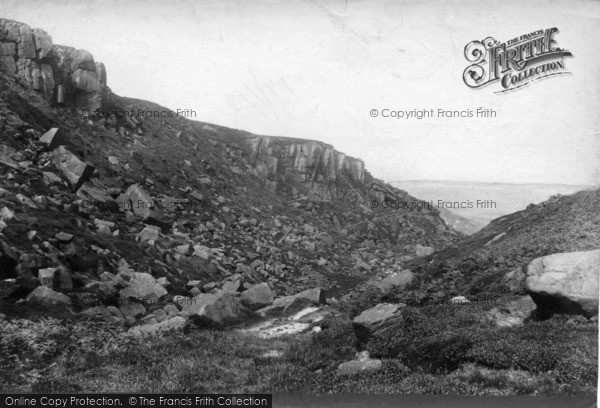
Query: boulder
pixel 376 320
pixel 143 286
pixel 53 138
pixel 232 286
pixel 565 283
pixel 149 233
pixel 423 250
pixel 45 295
pixel 258 296
pixel 46 277
pixel 218 307
pixel 75 170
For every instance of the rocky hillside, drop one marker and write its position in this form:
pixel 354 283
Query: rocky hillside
pixel 495 259
pixel 96 187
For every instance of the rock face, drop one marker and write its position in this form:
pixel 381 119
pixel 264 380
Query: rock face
pixel 60 74
pixel 376 320
pixel 565 282
pixel 310 160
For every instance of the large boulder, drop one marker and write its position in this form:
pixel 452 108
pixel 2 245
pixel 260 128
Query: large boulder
pixel 258 296
pixel 75 170
pixel 565 283
pixel 218 307
pixel 376 320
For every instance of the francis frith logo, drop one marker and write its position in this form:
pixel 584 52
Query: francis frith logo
pixel 514 63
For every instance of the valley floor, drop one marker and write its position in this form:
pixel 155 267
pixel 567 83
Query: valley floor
pixel 436 350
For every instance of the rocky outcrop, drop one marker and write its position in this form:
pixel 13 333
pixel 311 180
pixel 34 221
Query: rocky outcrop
pixel 565 282
pixel 62 75
pixel 309 160
pixel 275 158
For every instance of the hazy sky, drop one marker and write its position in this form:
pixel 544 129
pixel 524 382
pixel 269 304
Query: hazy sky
pixel 314 69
